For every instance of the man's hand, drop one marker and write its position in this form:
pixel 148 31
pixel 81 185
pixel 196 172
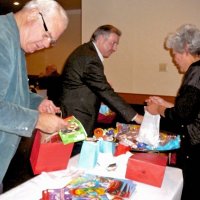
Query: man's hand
pixel 138 119
pixel 47 106
pixel 50 123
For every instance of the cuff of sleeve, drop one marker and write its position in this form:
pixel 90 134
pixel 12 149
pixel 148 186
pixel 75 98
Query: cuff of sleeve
pixel 133 119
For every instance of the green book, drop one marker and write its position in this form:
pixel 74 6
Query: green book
pixel 74 132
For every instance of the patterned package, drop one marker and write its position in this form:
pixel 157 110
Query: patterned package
pixel 74 132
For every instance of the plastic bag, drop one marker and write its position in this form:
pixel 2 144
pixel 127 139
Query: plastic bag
pixel 149 130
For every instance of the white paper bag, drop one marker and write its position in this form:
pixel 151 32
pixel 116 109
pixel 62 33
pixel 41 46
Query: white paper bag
pixel 149 130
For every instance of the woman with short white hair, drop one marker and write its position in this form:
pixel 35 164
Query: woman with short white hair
pixel 184 46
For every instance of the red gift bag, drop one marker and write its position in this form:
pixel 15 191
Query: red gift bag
pixel 49 156
pixel 105 115
pixel 106 119
pixel 148 168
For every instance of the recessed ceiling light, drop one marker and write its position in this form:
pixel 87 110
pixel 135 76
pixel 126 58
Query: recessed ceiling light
pixel 16 3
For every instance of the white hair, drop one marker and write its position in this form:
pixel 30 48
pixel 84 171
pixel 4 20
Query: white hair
pixel 187 37
pixel 49 8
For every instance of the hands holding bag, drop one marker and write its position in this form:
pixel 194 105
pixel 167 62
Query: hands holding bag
pixel 149 131
pixel 48 151
pixel 48 121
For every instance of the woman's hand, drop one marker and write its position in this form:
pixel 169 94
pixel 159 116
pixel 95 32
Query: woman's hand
pixel 155 109
pixel 160 101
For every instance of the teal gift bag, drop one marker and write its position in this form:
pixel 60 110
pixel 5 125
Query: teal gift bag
pixel 88 155
pixel 106 146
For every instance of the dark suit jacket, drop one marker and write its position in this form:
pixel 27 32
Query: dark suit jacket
pixel 84 87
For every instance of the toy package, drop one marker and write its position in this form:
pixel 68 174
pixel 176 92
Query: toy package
pixel 74 132
pixel 56 194
pixel 128 133
pixel 89 186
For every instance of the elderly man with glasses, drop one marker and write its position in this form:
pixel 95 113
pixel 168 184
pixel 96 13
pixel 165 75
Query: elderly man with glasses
pixel 36 26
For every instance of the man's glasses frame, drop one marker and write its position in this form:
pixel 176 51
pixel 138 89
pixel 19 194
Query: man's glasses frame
pixel 52 41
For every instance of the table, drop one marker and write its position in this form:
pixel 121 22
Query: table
pixel 32 189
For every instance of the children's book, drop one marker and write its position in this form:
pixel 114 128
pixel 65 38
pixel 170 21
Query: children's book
pixel 92 187
pixel 100 186
pixel 74 132
pixel 56 194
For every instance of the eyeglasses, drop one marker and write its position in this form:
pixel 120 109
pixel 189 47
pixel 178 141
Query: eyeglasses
pixel 49 36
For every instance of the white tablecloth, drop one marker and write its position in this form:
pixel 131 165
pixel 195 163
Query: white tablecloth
pixel 32 189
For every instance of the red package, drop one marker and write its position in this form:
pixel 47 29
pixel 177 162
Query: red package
pixel 121 149
pixel 148 168
pixel 49 156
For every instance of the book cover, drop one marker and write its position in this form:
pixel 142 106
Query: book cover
pixel 74 132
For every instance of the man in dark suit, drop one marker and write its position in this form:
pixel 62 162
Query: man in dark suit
pixel 84 84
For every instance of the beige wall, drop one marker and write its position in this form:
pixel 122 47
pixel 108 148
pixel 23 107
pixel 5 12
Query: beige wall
pixel 134 68
pixel 37 62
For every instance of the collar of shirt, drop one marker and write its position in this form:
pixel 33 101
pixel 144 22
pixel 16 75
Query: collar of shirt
pixel 98 52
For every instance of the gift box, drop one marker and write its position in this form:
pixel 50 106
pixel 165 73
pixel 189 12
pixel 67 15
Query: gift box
pixel 147 168
pixel 50 156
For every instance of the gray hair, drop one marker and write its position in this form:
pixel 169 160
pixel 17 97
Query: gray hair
pixel 105 30
pixel 49 8
pixel 185 39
